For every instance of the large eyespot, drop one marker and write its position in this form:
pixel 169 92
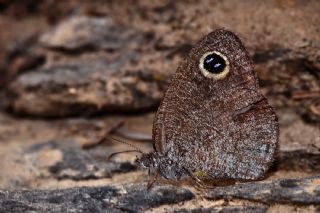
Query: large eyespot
pixel 214 65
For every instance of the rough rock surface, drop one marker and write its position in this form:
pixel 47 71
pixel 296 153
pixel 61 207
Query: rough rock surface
pixel 86 86
pixel 68 161
pixel 135 197
pixel 108 76
pixel 90 33
pixel 303 158
pixel 130 198
pixel 294 191
pixel 221 209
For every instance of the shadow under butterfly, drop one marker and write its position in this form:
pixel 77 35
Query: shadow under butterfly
pixel 213 123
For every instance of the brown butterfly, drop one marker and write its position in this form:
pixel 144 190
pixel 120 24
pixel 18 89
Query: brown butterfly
pixel 213 122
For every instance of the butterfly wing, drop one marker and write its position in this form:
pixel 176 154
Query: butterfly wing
pixel 219 128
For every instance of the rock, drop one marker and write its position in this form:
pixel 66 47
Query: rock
pixel 137 198
pixel 81 33
pixel 87 86
pixel 131 198
pixel 292 191
pixel 299 158
pixel 290 77
pixel 222 209
pixel 65 160
pixel 84 200
pixel 104 73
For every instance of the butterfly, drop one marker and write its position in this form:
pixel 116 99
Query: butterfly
pixel 213 122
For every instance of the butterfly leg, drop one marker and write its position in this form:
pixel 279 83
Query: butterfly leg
pixel 199 183
pixel 151 181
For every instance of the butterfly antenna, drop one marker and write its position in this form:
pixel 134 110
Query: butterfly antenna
pixel 135 149
pixel 116 153
pixel 129 144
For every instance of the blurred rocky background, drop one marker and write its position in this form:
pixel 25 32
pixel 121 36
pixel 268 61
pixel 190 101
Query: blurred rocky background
pixel 73 72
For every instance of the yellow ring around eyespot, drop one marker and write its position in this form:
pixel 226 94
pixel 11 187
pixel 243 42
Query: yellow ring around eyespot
pixel 207 74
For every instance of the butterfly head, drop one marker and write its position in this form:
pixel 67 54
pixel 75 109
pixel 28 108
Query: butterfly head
pixel 160 164
pixel 146 161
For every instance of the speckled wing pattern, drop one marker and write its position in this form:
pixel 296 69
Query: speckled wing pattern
pixel 224 128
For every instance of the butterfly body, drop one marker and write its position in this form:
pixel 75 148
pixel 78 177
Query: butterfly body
pixel 213 122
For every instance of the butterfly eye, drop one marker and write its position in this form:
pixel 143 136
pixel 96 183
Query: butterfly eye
pixel 214 65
